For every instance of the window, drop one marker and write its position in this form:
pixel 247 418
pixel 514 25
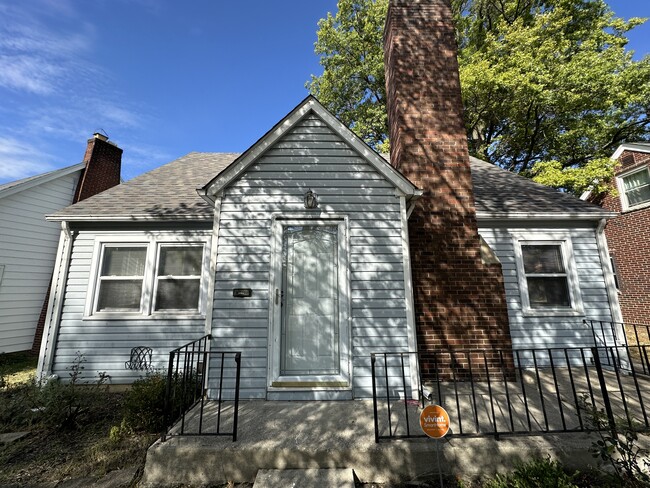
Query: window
pixel 121 278
pixel 635 188
pixel 157 275
pixel 547 277
pixel 179 278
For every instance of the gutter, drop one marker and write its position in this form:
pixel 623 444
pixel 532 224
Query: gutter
pixel 55 305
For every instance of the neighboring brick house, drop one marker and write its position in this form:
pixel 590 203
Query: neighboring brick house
pixel 28 243
pixel 628 235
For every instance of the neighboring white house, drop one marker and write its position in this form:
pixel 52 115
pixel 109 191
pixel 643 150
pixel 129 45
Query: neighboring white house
pixel 28 248
pixel 28 242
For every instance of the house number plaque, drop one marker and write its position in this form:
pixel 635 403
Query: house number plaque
pixel 242 292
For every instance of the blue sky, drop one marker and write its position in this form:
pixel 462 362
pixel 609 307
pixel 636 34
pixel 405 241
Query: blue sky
pixel 160 77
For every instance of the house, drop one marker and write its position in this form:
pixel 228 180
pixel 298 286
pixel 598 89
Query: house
pixel 628 235
pixel 309 251
pixel 28 242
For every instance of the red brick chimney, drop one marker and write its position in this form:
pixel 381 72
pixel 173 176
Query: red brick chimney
pixel 103 161
pixel 103 164
pixel 459 299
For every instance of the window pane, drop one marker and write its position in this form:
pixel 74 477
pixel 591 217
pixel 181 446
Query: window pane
pixel 638 195
pixel 180 261
pixel 542 259
pixel 636 180
pixel 177 294
pixel 548 292
pixel 124 261
pixel 119 295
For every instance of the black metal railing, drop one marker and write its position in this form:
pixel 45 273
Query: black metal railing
pixel 202 393
pixel 634 337
pixel 542 391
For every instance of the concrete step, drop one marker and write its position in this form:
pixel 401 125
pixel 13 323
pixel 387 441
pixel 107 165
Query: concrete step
pixel 304 478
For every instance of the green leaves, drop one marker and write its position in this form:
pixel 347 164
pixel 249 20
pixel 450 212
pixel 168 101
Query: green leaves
pixel 548 87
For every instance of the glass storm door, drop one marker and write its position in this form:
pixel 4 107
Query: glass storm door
pixel 309 333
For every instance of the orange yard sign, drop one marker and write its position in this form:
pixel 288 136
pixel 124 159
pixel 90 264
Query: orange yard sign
pixel 434 421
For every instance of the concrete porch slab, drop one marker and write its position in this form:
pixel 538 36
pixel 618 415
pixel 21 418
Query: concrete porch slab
pixel 304 478
pixel 339 435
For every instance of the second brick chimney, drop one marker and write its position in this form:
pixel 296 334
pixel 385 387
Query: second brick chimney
pixel 103 166
pixel 459 299
pixel 103 161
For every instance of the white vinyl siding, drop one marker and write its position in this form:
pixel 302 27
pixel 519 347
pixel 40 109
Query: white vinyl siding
pixel 557 329
pixel 310 156
pixel 28 245
pixel 106 342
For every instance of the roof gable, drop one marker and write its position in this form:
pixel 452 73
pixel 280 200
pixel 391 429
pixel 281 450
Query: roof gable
pixel 309 106
pixel 634 147
pixel 32 181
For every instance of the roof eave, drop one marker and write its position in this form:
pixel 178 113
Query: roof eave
pixel 545 215
pixel 130 218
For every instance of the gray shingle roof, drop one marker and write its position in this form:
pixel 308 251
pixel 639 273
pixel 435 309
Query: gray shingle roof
pixel 169 193
pixel 165 193
pixel 497 191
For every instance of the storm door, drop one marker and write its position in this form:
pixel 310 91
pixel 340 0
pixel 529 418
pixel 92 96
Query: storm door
pixel 310 346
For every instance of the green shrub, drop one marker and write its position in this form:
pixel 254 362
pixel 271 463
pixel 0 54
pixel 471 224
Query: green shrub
pixel 534 474
pixel 144 404
pixel 73 403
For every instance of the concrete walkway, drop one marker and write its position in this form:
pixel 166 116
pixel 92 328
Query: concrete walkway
pixel 329 435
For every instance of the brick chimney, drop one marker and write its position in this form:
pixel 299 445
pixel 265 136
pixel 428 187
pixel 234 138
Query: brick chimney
pixel 459 299
pixel 103 164
pixel 103 161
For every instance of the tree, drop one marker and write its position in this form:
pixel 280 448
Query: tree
pixel 549 89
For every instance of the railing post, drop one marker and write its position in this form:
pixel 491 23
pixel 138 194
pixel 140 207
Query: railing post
pixel 374 396
pixel 236 413
pixel 603 389
pixel 167 405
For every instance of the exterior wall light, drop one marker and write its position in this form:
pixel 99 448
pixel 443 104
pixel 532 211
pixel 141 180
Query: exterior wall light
pixel 311 199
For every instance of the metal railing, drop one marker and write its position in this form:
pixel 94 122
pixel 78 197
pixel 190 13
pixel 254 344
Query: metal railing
pixel 550 390
pixel 202 393
pixel 634 337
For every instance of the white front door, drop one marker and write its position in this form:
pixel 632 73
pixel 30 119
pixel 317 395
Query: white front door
pixel 310 329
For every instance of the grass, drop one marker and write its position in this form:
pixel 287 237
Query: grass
pixel 18 367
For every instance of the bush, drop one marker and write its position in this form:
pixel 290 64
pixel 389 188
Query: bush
pixel 533 474
pixel 69 405
pixel 144 404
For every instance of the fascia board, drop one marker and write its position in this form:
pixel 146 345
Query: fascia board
pixel 630 147
pixel 39 180
pixel 129 218
pixel 545 215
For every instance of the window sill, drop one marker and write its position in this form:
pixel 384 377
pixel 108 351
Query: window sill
pixel 641 206
pixel 124 316
pixel 552 312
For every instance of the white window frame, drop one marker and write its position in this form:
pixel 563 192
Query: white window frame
pixel 153 242
pixel 625 204
pixel 563 240
pixel 157 276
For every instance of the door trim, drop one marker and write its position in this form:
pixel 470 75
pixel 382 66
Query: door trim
pixel 343 380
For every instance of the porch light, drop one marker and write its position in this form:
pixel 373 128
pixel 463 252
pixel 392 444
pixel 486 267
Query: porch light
pixel 311 199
